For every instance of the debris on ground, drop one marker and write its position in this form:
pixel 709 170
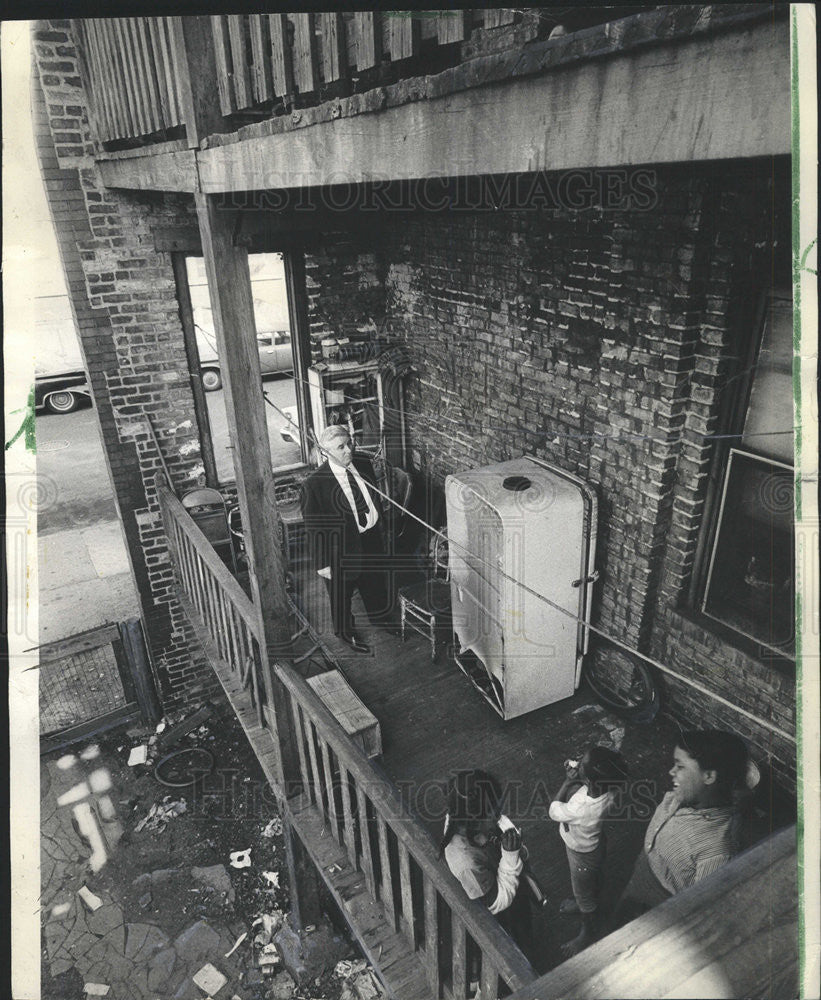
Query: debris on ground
pixel 272 878
pixel 160 815
pixel 209 979
pixel 92 902
pixel 240 859
pixel 96 989
pixel 237 943
pixel 274 828
pixel 176 732
pixel 138 755
pixel 359 981
pixel 269 924
pixel 282 987
pixel 215 877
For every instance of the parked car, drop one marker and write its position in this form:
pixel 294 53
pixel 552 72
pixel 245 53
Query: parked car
pixel 275 356
pixel 61 393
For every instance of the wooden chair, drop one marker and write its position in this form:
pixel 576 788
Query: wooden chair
pixel 425 607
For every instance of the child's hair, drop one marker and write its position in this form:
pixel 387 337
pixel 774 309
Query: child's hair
pixel 605 767
pixel 473 797
pixel 716 750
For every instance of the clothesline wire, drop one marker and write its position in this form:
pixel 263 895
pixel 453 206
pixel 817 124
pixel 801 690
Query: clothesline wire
pixel 666 439
pixel 557 607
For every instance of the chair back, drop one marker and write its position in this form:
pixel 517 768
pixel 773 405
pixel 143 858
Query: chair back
pixel 441 568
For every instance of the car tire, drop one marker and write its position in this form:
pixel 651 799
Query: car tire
pixel 211 379
pixel 62 401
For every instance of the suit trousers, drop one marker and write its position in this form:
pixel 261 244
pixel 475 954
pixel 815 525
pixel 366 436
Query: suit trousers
pixel 372 581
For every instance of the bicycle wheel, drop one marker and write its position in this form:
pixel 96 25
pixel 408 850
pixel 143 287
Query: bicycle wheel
pixel 623 683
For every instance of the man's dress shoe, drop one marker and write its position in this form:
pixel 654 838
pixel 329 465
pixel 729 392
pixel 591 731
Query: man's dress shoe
pixel 355 643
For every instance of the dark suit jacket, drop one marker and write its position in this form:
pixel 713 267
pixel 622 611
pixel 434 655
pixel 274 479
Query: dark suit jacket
pixel 333 533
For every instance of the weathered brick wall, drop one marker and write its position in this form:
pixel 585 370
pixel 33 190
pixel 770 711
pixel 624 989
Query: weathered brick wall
pixel 124 300
pixel 597 339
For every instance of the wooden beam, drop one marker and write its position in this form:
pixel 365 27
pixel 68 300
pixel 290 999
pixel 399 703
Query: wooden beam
pixel 334 48
pixel 732 935
pixel 726 100
pixel 368 39
pixel 229 287
pixel 195 66
pixel 306 77
pixel 163 171
pixel 282 60
pixel 452 26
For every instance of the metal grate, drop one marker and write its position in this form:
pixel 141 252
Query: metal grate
pixel 79 687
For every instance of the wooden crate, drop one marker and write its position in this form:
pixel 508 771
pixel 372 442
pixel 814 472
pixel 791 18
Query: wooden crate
pixel 342 702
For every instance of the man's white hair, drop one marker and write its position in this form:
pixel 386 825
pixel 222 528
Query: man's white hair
pixel 331 434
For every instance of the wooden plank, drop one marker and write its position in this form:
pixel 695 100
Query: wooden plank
pixel 459 952
pixel 330 799
pixel 97 89
pixel 165 67
pixel 488 980
pixel 403 34
pixel 365 839
pixel 140 667
pixel 747 911
pixel 406 891
pixel 262 77
pixel 299 733
pixel 432 935
pixel 316 786
pixel 347 815
pixel 107 45
pixel 149 72
pixel 222 51
pixel 282 62
pixel 452 26
pixel 160 171
pixel 82 642
pixel 133 92
pixel 386 890
pixel 334 48
pixel 194 55
pixel 305 64
pixel 239 57
pixel 161 79
pixel 368 39
pixel 65 738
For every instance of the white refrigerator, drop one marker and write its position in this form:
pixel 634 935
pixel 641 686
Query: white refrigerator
pixel 520 532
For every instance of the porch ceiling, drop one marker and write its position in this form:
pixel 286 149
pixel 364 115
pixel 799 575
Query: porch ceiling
pixel 703 97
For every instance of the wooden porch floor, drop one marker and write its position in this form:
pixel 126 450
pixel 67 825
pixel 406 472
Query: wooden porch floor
pixel 434 722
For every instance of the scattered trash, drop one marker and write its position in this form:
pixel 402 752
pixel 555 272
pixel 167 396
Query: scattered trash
pixel 160 815
pixel 309 928
pixel 269 957
pixel 209 979
pixel 92 902
pixel 237 943
pixel 240 859
pixel 60 910
pixel 96 989
pixel 360 982
pixel 282 987
pixel 177 732
pixel 272 878
pixel 334 868
pixel 138 755
pixel 271 923
pixel 160 727
pixel 274 828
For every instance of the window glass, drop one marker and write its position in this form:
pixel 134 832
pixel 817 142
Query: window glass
pixel 276 358
pixel 751 576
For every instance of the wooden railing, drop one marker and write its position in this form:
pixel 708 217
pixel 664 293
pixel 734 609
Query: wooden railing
pixel 132 74
pixel 209 591
pixel 294 58
pixel 364 813
pixel 361 809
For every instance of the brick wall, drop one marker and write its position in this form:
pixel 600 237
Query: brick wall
pixel 599 340
pixel 124 301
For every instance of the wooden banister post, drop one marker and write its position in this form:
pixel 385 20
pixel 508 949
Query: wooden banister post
pixel 229 286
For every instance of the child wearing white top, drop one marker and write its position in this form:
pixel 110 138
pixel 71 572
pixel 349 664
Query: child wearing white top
pixel 580 807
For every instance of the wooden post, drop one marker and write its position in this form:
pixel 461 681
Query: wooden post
pixel 195 66
pixel 229 286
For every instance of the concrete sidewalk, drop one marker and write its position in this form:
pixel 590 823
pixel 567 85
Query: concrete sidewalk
pixel 84 580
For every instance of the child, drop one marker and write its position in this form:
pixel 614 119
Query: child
pixel 488 868
pixel 695 829
pixel 581 813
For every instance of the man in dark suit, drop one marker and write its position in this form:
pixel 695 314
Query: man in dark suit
pixel 345 529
